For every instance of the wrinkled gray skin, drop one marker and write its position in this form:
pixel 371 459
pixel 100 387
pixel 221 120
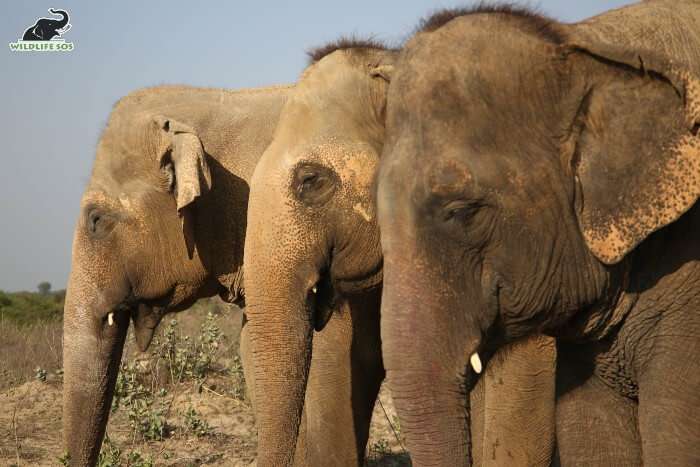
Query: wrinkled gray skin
pixel 312 224
pixel 161 224
pixel 547 179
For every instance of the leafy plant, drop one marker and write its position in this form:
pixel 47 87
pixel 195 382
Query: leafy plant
pixel 184 357
pixel 145 415
pixel 380 448
pixel 40 374
pixel 64 458
pixel 146 418
pixel 110 454
pixel 194 423
pixel 236 366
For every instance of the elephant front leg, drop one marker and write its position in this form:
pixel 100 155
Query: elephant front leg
pixel 669 393
pixel 519 404
pixel 344 380
pixel 595 424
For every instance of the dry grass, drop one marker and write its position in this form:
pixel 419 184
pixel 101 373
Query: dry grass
pixel 31 423
pixel 24 348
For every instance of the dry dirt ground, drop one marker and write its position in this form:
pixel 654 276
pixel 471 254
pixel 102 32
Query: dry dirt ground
pixel 30 427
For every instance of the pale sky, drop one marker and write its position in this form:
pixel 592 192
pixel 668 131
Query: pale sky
pixel 53 106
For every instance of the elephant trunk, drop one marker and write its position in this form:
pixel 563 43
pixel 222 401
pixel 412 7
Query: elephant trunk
pixel 92 352
pixel 280 339
pixel 278 289
pixel 426 356
pixel 64 20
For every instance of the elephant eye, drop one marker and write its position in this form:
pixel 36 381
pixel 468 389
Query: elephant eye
pixel 459 211
pixel 98 223
pixel 313 183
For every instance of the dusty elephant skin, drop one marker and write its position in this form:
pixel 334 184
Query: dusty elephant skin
pixel 313 262
pixel 546 178
pixel 161 224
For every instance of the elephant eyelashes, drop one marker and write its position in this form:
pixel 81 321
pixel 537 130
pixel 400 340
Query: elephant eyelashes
pixel 459 212
pixel 313 183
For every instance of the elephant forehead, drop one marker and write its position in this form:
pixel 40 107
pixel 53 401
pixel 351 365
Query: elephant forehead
pixel 446 175
pixel 127 199
pixel 98 195
pixel 357 165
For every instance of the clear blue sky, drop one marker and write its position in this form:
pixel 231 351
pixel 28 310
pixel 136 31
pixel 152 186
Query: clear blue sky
pixel 53 106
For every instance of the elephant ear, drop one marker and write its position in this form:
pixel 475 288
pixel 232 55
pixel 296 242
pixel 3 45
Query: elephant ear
pixel 637 154
pixel 184 163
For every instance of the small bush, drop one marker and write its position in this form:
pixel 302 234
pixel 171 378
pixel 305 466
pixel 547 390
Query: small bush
pixel 111 456
pixel 194 424
pixel 40 373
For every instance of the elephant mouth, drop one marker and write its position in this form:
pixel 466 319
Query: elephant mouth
pixel 325 296
pixel 322 299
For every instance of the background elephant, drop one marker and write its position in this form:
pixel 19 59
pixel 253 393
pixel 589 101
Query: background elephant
pixel 546 178
pixel 47 28
pixel 162 224
pixel 313 263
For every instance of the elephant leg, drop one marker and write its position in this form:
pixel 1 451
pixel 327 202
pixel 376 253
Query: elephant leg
pixel 669 393
pixel 344 381
pixel 477 401
pixel 247 362
pixel 595 424
pixel 519 427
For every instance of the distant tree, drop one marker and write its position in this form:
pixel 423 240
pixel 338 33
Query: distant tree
pixel 44 287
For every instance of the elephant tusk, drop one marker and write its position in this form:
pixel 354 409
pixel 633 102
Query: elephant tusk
pixel 313 289
pixel 110 319
pixel 476 362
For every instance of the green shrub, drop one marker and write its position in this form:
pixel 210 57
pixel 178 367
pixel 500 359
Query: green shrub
pixel 183 357
pixel 194 424
pixel 30 307
pixel 111 456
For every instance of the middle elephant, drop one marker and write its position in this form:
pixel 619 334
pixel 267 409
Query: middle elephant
pixel 313 261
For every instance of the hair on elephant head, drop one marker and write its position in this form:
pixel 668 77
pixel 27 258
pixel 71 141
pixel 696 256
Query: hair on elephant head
pixel 47 28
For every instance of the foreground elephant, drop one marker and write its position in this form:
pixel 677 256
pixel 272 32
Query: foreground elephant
pixel 161 224
pixel 313 262
pixel 546 177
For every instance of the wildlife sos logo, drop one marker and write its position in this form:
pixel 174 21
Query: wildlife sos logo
pixel 44 35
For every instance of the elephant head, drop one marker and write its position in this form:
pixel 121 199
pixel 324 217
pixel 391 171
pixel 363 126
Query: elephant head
pixel 312 245
pixel 161 224
pixel 520 169
pixel 46 28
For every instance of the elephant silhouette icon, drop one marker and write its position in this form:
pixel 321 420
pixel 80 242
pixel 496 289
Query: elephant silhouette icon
pixel 47 28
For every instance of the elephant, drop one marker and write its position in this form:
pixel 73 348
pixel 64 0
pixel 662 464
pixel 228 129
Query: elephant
pixel 47 28
pixel 313 272
pixel 161 224
pixel 545 178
